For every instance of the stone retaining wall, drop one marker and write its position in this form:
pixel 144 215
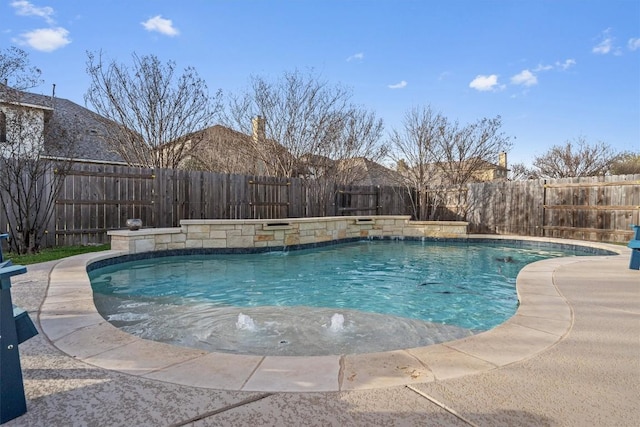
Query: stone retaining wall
pixel 261 233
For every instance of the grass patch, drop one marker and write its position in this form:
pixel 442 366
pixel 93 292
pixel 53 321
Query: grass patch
pixel 51 254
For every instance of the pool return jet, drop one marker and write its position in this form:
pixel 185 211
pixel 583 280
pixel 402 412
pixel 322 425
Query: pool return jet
pixel 15 327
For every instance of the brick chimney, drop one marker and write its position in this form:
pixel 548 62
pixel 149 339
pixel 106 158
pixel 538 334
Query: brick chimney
pixel 502 159
pixel 258 126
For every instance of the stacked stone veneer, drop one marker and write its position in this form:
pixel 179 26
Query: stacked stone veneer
pixel 257 233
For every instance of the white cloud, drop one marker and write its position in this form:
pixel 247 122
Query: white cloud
pixel 25 8
pixel 568 63
pixel 524 77
pixel 484 83
pixel 45 39
pixel 634 44
pixel 161 25
pixel 356 57
pixel 606 46
pixel 559 65
pixel 603 47
pixel 541 67
pixel 400 85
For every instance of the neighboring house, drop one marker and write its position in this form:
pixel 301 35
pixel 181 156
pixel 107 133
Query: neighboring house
pixel 21 121
pixel 355 171
pixel 314 166
pixel 63 128
pixel 224 150
pixel 363 171
pixel 474 170
pixel 488 171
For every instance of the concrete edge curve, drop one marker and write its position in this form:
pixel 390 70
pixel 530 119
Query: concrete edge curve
pixel 69 319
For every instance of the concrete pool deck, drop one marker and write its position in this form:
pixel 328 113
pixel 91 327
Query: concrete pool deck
pixel 570 356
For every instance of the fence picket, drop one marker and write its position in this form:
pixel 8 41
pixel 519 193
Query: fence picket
pixel 95 198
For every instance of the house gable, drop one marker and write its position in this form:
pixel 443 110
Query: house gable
pixel 67 129
pixel 22 127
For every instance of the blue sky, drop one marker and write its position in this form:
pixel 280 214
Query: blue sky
pixel 554 70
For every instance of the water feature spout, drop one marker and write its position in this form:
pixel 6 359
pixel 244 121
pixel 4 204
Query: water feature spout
pixel 337 323
pixel 245 323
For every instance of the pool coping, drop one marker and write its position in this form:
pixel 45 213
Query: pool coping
pixel 70 321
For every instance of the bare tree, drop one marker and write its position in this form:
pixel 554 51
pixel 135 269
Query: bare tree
pixel 223 150
pixel 159 113
pixel 520 172
pixel 359 137
pixel 15 70
pixel 30 180
pixel 465 153
pixel 302 117
pixel 626 163
pixel 304 127
pixel 441 157
pixel 413 148
pixel 575 158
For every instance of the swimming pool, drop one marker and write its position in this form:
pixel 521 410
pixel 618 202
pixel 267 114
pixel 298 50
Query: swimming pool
pixel 349 298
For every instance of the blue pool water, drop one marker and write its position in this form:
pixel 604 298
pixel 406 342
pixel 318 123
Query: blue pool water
pixel 347 298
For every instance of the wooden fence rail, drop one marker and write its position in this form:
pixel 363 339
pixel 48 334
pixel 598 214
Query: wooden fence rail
pixel 96 198
pixel 588 208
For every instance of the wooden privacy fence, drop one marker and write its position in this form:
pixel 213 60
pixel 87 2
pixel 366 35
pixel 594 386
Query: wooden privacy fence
pixel 369 200
pixel 601 210
pixel 97 197
pixel 589 208
pixel 179 194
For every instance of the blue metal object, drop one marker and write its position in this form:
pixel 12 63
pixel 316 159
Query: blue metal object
pixel 24 325
pixel 15 327
pixel 634 244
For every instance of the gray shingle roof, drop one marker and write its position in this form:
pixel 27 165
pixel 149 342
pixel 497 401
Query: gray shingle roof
pixel 70 123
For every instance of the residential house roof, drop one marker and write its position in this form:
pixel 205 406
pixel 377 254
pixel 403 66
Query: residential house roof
pixel 471 170
pixel 483 170
pixel 367 172
pixel 68 123
pixel 354 171
pixel 221 149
